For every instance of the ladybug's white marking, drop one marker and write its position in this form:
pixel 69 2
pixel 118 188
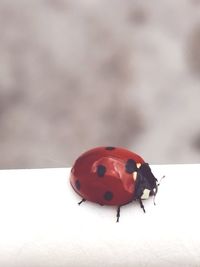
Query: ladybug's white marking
pixel 134 176
pixel 138 165
pixel 146 193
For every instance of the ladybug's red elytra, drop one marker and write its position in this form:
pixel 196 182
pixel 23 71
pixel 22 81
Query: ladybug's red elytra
pixel 112 176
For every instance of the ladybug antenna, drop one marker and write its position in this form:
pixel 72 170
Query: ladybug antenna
pixel 161 180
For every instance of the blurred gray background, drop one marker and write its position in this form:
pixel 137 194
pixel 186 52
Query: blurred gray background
pixel 80 74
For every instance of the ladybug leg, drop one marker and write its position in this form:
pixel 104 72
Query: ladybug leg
pixel 118 213
pixel 83 200
pixel 154 202
pixel 155 190
pixel 141 204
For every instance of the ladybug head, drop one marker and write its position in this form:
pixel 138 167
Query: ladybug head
pixel 146 183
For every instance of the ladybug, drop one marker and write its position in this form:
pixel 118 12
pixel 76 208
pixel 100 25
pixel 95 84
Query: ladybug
pixel 113 176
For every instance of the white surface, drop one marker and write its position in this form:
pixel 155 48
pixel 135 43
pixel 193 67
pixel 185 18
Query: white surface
pixel 42 225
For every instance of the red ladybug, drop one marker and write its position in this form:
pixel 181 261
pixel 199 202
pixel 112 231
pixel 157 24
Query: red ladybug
pixel 112 176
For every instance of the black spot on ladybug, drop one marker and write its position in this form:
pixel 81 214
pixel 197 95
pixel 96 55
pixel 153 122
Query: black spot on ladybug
pixel 110 148
pixel 131 166
pixel 77 184
pixel 108 195
pixel 101 169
